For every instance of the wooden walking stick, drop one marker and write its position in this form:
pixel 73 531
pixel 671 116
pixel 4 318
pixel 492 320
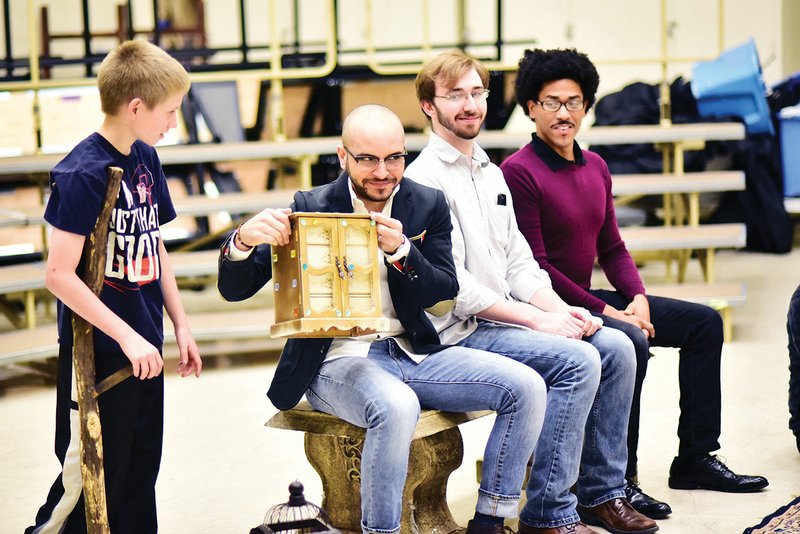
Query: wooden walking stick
pixel 94 488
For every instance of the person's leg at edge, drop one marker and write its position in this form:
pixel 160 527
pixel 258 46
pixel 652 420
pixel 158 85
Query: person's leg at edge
pixel 362 393
pixel 793 329
pixel 461 379
pixel 571 370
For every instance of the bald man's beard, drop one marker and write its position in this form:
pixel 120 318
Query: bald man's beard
pixel 364 194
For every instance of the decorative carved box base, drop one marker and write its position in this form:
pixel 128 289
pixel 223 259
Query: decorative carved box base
pixel 333 447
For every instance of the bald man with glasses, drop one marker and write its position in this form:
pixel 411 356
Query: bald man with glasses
pixel 380 382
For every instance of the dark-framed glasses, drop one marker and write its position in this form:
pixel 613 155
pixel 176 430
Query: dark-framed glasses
pixel 368 162
pixel 459 97
pixel 552 105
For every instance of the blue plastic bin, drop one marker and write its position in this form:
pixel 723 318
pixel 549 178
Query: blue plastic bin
pixel 790 155
pixel 731 85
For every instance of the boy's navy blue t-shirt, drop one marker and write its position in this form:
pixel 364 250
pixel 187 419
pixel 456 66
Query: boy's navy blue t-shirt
pixel 132 285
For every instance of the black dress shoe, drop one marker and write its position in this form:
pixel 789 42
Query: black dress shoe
pixel 644 503
pixel 710 473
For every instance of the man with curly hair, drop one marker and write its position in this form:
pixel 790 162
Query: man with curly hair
pixel 566 212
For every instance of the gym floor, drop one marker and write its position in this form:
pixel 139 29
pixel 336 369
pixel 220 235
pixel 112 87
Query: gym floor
pixel 222 469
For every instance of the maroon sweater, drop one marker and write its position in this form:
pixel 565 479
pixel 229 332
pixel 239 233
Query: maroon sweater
pixel 566 212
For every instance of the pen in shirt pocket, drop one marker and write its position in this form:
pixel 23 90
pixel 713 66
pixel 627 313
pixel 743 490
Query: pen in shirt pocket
pixel 501 199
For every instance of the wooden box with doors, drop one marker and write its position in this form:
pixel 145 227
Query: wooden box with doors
pixel 326 280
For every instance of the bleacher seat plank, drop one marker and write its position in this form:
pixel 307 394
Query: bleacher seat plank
pixel 19 346
pixel 714 295
pixel 722 296
pixel 705 236
pixel 692 182
pixel 29 344
pixel 253 150
pixel 22 277
pixel 194 263
pixel 19 217
pixel 192 205
pixel 30 276
pixel 242 202
pixel 792 205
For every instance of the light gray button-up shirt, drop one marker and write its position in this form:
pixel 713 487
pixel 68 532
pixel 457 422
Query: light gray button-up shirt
pixel 493 260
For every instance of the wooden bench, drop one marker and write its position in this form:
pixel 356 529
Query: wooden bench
pixel 722 296
pixel 333 447
pixel 706 238
pixel 26 345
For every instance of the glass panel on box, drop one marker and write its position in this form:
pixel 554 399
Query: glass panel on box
pixel 321 292
pixel 319 243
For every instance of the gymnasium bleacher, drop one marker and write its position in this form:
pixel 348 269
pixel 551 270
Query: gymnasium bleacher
pixel 217 175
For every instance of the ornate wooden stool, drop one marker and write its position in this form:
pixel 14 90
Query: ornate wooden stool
pixel 333 447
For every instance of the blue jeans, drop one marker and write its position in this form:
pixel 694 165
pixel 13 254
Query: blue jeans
pixel 590 386
pixel 384 393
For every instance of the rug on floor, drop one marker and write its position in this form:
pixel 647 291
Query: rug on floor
pixel 784 520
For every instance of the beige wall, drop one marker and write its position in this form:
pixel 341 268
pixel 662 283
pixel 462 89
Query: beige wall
pixel 607 30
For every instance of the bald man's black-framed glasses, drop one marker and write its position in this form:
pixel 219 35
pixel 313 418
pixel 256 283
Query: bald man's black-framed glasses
pixel 368 162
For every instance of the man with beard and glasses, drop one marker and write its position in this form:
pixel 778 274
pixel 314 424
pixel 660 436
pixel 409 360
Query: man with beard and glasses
pixel 506 305
pixel 380 382
pixel 565 210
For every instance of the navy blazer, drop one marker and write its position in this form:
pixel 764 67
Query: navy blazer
pixel 427 280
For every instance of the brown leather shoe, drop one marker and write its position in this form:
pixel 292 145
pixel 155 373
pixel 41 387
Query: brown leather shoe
pixel 477 528
pixel 618 517
pixel 574 528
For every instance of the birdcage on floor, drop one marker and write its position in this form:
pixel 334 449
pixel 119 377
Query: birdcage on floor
pixel 297 516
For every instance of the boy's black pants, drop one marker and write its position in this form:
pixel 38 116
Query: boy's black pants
pixel 132 418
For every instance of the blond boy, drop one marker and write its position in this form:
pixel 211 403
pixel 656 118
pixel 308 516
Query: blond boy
pixel 141 88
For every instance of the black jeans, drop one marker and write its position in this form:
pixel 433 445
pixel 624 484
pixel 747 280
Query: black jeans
pixel 793 328
pixel 696 330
